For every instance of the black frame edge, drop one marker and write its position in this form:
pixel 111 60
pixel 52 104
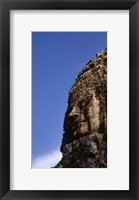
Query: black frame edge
pixel 5 105
pixel 69 4
pixel 0 98
pixel 138 100
pixel 5 193
pixel 133 98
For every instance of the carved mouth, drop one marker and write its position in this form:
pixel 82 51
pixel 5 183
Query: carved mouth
pixel 74 126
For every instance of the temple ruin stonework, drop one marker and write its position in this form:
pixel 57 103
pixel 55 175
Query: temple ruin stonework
pixel 84 143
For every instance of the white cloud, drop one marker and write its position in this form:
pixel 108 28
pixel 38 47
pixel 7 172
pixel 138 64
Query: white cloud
pixel 48 160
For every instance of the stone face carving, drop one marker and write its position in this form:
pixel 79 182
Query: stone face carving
pixel 85 123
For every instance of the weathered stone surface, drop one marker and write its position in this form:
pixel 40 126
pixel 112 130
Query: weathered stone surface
pixel 84 153
pixel 84 143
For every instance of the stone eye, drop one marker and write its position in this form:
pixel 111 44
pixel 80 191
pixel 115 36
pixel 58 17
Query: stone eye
pixel 81 105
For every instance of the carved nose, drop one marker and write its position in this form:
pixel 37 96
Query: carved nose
pixel 74 113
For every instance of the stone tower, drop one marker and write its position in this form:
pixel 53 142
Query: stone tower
pixel 84 143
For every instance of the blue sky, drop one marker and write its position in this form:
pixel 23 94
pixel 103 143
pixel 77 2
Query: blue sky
pixel 57 58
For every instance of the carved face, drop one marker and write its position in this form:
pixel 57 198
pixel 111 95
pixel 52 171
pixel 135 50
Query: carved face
pixel 87 102
pixel 77 117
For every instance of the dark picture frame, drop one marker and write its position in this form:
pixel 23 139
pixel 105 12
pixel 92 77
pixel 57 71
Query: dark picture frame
pixel 5 7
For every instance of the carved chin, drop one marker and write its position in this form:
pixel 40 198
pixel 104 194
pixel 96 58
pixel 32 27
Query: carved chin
pixel 81 130
pixel 84 128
